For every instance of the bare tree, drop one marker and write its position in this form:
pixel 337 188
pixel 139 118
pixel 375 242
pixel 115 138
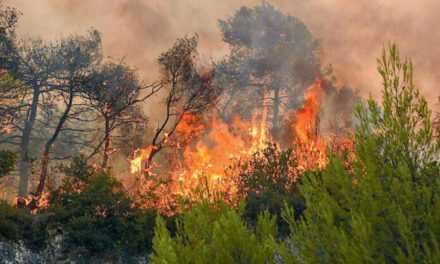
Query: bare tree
pixel 187 91
pixel 114 94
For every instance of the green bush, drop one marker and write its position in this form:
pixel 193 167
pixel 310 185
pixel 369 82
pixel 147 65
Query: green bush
pixel 7 162
pixel 386 208
pixel 12 221
pixel 97 215
pixel 215 233
pixel 18 224
pixel 267 183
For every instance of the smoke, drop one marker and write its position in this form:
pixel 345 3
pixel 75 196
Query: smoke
pixel 352 33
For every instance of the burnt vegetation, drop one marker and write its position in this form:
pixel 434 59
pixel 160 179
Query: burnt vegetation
pixel 309 172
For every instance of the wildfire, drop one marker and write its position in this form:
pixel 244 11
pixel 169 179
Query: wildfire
pixel 225 143
pixel 310 148
pixel 141 155
pixel 206 146
pixel 307 118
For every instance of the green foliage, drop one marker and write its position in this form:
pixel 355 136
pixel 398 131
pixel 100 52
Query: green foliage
pixel 12 92
pixel 7 162
pixel 97 215
pixel 386 208
pixel 215 233
pixel 266 183
pixel 12 221
pixel 20 225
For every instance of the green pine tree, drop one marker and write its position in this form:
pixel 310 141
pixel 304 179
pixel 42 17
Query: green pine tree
pixel 386 208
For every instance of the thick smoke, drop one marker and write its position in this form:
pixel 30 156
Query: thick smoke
pixel 352 33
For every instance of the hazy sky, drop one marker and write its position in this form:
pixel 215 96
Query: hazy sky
pixel 352 32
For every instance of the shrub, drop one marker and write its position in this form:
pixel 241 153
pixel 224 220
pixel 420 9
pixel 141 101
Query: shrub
pixel 267 183
pixel 97 215
pixel 18 224
pixel 215 233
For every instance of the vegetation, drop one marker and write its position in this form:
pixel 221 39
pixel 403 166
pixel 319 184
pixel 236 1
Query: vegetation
pixel 91 210
pixel 379 203
pixel 273 59
pixel 97 215
pixel 266 183
pixel 215 233
pixel 7 162
pixel 383 208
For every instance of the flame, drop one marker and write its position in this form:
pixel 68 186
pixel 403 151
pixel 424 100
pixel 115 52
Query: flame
pixel 141 155
pixel 203 165
pixel 307 117
pixel 310 148
pixel 205 146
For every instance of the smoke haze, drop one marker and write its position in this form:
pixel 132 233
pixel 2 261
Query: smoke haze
pixel 352 33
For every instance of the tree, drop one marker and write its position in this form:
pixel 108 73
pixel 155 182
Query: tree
pixel 12 92
pixel 114 92
pixel 188 91
pixel 385 208
pixel 38 69
pixel 8 21
pixel 273 59
pixel 10 88
pixel 35 64
pixel 74 59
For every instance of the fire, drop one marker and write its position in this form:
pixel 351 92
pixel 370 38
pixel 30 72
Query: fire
pixel 205 162
pixel 206 146
pixel 310 148
pixel 141 155
pixel 307 118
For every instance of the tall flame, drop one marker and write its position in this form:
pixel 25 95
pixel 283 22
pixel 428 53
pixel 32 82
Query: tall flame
pixel 310 148
pixel 206 148
pixel 307 118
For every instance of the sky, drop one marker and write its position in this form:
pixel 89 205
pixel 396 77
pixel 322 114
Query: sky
pixel 352 33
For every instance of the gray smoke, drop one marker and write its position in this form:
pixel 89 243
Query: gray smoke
pixel 352 33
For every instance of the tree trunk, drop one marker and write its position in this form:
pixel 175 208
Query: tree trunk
pixel 105 155
pixel 24 163
pixel 276 112
pixel 48 146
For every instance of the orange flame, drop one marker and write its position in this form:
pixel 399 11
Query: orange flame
pixel 206 148
pixel 307 118
pixel 310 148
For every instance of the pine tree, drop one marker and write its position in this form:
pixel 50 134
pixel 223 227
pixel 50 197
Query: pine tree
pixel 385 209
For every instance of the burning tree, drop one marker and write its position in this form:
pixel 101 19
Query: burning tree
pixel 272 69
pixel 188 91
pixel 272 61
